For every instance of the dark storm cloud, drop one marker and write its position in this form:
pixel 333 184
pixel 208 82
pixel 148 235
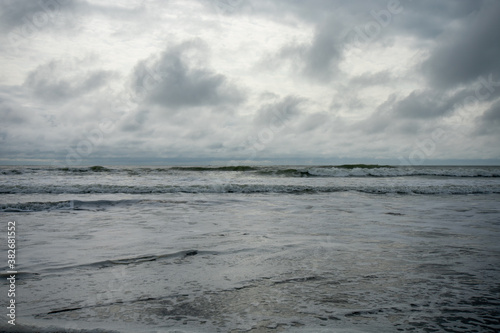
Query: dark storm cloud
pixel 469 51
pixel 56 81
pixel 173 81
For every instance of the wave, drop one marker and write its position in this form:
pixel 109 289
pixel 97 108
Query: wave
pixel 129 261
pixel 228 188
pixel 24 328
pixel 78 205
pixel 95 168
pixel 346 170
pixel 224 168
pixel 384 171
pixel 20 275
pixel 27 170
pixel 35 206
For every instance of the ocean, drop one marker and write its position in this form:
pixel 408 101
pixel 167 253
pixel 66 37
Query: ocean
pixel 251 248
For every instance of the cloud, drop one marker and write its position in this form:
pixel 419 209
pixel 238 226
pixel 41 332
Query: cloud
pixel 372 79
pixel 223 80
pixel 16 13
pixel 429 19
pixel 277 114
pixel 313 121
pixel 489 122
pixel 423 104
pixel 322 57
pixel 174 81
pixel 318 59
pixel 134 121
pixel 22 20
pixel 12 113
pixel 29 15
pixel 467 51
pixel 426 105
pixel 60 80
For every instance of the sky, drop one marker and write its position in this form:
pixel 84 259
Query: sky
pixel 249 82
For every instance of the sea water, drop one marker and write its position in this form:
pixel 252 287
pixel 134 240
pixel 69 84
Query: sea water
pixel 253 249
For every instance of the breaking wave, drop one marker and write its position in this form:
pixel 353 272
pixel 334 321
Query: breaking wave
pixel 228 188
pixel 347 170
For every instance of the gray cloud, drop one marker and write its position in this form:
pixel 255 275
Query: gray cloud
pixel 338 25
pixel 489 122
pixel 173 81
pixel 16 13
pixel 135 121
pixel 52 13
pixel 23 20
pixel 318 59
pixel 431 105
pixel 181 80
pixel 380 119
pixel 277 114
pixel 63 80
pixel 425 18
pixel 417 18
pixel 423 104
pixel 372 79
pixel 322 57
pixel 112 11
pixel 471 50
pixel 313 122
pixel 13 114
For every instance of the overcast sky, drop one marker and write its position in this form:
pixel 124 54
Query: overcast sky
pixel 249 81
